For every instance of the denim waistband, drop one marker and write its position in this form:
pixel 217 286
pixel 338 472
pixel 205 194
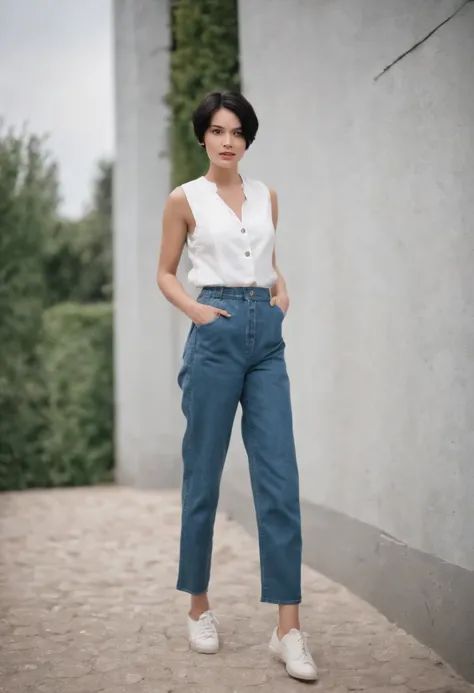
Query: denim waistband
pixel 236 293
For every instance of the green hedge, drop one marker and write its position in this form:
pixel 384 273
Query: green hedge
pixel 205 58
pixel 27 210
pixel 77 254
pixel 78 366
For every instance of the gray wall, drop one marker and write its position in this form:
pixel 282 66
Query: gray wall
pixel 375 180
pixel 147 413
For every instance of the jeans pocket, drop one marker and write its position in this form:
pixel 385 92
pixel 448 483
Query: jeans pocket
pixel 214 303
pixel 282 314
pixel 188 354
pixel 208 324
pixel 187 343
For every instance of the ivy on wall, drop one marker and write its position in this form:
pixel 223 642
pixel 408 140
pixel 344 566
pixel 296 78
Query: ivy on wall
pixel 204 58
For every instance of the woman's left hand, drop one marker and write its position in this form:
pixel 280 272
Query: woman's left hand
pixel 282 301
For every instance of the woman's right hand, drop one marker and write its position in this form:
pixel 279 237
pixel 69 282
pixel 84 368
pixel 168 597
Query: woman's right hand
pixel 202 314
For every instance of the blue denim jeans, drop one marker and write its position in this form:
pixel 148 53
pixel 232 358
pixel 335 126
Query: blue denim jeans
pixel 232 360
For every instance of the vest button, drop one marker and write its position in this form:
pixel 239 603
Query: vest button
pixel 242 230
pixel 247 254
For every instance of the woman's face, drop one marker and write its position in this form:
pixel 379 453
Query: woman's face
pixel 225 143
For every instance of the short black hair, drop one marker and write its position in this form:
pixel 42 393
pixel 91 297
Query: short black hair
pixel 233 101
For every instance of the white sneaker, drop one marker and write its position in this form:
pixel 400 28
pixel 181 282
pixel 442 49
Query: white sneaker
pixel 203 635
pixel 292 649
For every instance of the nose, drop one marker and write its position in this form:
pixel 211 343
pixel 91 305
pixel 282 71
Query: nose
pixel 227 141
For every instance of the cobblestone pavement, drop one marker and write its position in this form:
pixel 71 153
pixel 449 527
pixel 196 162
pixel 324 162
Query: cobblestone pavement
pixel 88 604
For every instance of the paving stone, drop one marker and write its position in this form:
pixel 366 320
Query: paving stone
pixel 26 677
pixel 388 689
pixel 123 676
pixel 88 605
pixel 398 680
pixel 430 680
pixel 91 683
pixel 69 670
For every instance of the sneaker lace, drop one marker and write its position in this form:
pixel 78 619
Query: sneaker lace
pixel 208 622
pixel 305 655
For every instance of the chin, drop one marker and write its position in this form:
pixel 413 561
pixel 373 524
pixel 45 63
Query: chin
pixel 222 163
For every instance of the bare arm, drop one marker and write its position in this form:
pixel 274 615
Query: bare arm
pixel 279 291
pixel 173 238
pixel 172 243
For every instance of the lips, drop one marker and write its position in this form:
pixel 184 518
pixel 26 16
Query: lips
pixel 227 155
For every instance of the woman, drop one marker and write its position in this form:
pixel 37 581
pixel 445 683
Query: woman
pixel 234 353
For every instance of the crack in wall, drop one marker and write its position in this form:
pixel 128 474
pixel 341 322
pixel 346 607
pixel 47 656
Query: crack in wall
pixel 419 43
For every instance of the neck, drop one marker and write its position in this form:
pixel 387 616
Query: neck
pixel 223 177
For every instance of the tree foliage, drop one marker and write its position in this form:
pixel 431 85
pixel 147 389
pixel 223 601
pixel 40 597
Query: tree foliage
pixel 76 351
pixel 28 202
pixel 56 365
pixel 78 253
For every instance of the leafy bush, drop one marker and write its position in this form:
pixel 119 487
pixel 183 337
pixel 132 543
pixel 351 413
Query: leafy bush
pixel 28 201
pixel 78 366
pixel 205 58
pixel 78 253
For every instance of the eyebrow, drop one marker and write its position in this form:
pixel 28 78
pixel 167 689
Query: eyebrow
pixel 215 125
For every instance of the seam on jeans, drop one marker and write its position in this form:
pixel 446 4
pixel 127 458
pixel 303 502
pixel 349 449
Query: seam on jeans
pixel 185 589
pixel 251 329
pixel 187 342
pixel 190 364
pixel 251 456
pixel 191 350
pixel 191 347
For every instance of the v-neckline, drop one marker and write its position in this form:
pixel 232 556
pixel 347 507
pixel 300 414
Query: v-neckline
pixel 232 211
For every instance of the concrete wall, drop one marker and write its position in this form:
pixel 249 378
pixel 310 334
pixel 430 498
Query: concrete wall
pixel 147 407
pixel 375 179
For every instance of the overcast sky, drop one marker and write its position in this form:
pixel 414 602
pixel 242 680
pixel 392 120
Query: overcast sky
pixel 56 74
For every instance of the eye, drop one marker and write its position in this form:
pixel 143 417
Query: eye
pixel 216 131
pixel 239 133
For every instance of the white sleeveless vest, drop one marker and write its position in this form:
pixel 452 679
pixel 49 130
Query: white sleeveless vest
pixel 223 250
